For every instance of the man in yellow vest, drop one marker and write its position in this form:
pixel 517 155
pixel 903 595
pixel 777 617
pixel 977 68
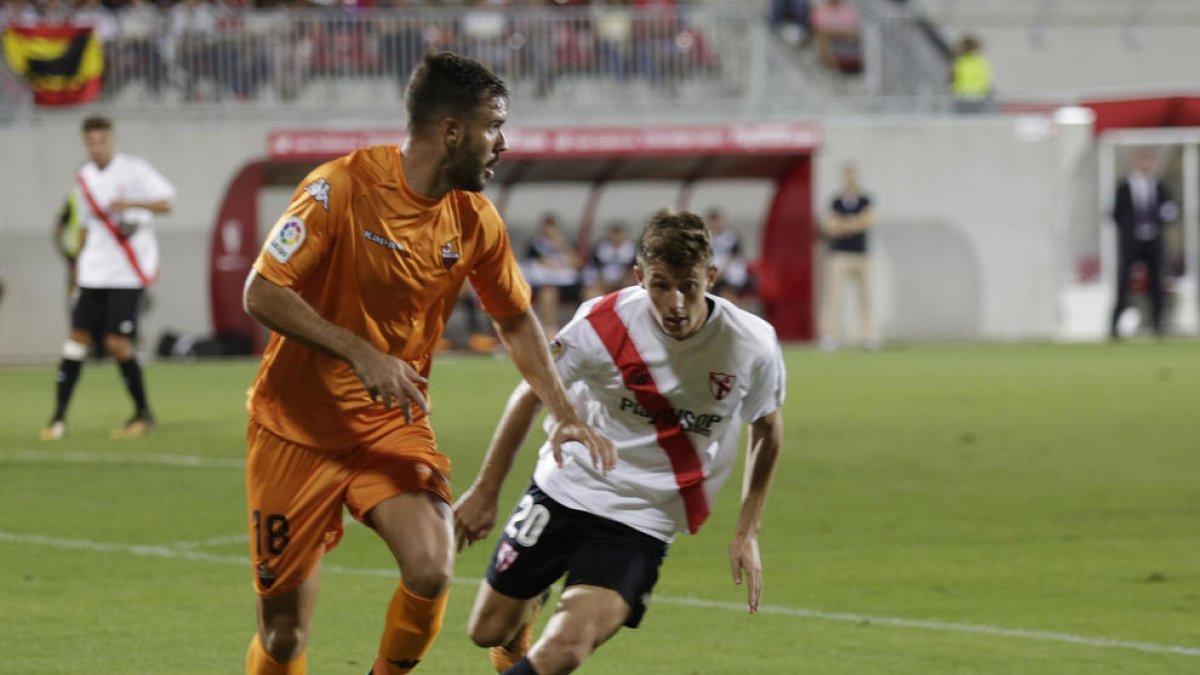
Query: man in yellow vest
pixel 971 77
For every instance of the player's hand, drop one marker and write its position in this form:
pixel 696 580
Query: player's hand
pixel 604 455
pixel 743 558
pixel 119 205
pixel 390 381
pixel 474 515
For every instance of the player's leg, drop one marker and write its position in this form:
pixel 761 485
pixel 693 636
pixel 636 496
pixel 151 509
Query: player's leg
pixel 1153 258
pixel 87 313
pixel 831 305
pixel 585 618
pixel 418 528
pixel 294 504
pixel 866 317
pixel 496 618
pixel 1124 269
pixel 120 325
pixel 278 648
pixel 531 554
pixel 612 571
pixel 401 488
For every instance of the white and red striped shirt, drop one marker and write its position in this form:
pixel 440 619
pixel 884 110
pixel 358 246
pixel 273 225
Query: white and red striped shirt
pixel 106 261
pixel 673 408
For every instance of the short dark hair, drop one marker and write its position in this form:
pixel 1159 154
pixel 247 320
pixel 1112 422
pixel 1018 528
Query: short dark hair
pixel 447 84
pixel 678 239
pixel 97 123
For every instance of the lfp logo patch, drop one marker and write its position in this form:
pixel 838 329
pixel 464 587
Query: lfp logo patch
pixel 287 239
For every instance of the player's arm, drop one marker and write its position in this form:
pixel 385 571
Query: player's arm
pixel 863 220
pixel 475 511
pixel 526 343
pixel 156 206
pixel 762 452
pixel 835 224
pixel 385 377
pixel 60 227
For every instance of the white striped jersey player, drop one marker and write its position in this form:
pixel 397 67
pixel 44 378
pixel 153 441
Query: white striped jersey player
pixel 102 262
pixel 673 408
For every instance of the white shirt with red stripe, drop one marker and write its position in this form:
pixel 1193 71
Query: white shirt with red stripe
pixel 673 408
pixel 102 262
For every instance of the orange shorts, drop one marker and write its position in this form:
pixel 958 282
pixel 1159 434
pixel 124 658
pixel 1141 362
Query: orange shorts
pixel 295 496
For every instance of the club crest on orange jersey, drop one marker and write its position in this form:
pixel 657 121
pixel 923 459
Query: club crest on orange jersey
pixel 720 384
pixel 449 253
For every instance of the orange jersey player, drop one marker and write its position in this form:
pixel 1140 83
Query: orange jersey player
pixel 357 280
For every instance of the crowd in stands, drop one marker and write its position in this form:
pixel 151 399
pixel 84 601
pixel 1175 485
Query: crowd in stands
pixel 232 49
pixel 832 27
pixel 563 274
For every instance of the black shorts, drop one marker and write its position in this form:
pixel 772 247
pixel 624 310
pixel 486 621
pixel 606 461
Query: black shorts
pixel 112 311
pixel 543 539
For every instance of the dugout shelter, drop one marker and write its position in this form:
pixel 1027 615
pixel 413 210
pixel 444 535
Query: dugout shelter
pixel 779 153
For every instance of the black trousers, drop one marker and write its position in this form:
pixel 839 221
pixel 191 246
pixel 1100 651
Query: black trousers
pixel 1150 254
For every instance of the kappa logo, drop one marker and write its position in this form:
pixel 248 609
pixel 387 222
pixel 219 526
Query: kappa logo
pixel 319 190
pixel 720 384
pixel 449 254
pixel 382 241
pixel 287 239
pixel 506 555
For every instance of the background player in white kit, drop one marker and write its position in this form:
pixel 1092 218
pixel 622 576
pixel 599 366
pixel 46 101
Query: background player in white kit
pixel 117 195
pixel 669 373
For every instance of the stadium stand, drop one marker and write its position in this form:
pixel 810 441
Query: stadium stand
pixel 215 81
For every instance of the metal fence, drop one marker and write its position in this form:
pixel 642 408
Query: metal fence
pixel 335 59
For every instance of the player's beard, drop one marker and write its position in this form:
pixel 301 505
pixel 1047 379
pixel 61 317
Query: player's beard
pixel 466 171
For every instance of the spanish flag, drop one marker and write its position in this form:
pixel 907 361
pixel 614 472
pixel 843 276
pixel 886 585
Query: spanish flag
pixel 62 63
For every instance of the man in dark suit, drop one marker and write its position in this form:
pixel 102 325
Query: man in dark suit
pixel 1142 210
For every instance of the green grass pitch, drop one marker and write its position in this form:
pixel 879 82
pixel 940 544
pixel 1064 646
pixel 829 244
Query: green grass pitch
pixel 937 510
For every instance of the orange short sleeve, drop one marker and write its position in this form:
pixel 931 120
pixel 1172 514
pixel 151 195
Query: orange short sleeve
pixel 303 235
pixel 496 277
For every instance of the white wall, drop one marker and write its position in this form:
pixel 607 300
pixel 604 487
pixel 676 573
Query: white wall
pixel 971 218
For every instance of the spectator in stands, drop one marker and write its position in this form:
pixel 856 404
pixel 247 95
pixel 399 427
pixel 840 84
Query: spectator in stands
pixel 137 49
pixel 791 20
pixel 483 28
pixel 1142 209
pixel 733 275
pixel 655 26
pixel 191 33
pixel 55 12
pixel 851 216
pixel 611 265
pixel 292 46
pixel 836 28
pixel 553 271
pixel 614 32
pixel 970 77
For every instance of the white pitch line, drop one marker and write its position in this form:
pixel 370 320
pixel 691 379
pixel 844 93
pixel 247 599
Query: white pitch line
pixel 83 457
pixel 938 625
pixel 175 552
pixel 229 538
pixel 211 541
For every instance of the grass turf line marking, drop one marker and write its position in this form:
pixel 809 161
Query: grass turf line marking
pixel 83 457
pixel 224 539
pixel 175 552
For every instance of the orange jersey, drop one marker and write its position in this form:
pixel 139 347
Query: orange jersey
pixel 372 256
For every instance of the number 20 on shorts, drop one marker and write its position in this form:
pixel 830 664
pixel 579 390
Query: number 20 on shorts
pixel 527 522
